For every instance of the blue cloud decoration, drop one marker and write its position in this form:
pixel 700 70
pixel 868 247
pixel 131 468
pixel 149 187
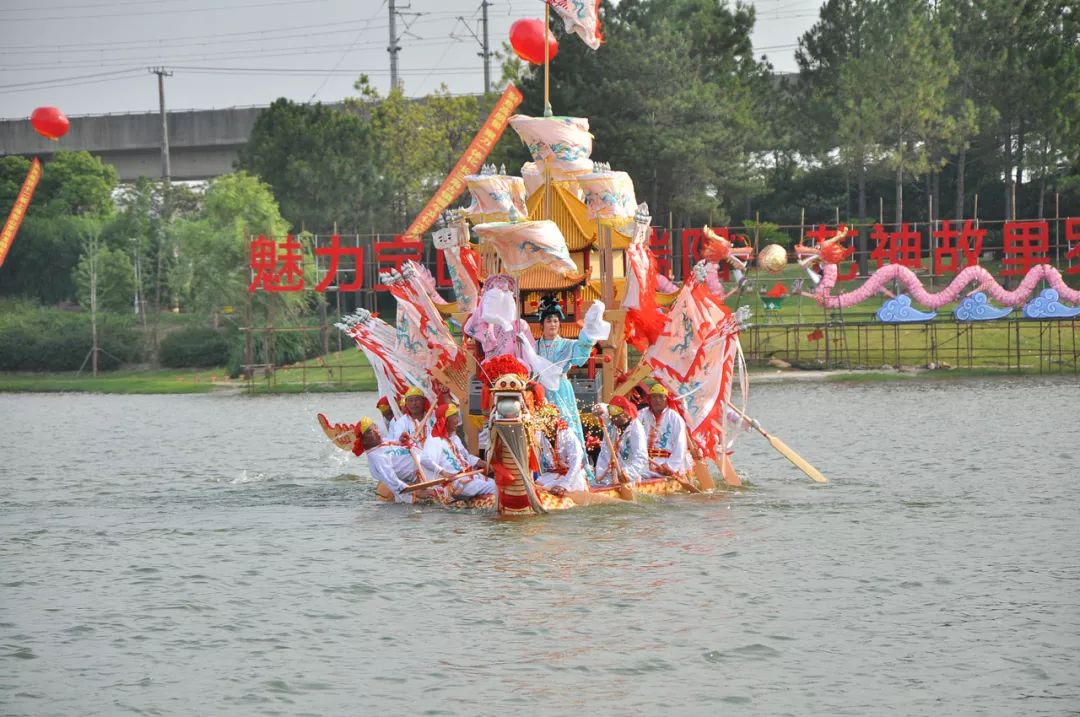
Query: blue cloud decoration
pixel 898 310
pixel 1047 306
pixel 977 308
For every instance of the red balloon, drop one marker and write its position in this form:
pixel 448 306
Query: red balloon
pixel 527 39
pixel 50 122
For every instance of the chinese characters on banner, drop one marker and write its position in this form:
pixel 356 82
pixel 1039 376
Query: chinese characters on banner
pixel 278 264
pixel 1072 237
pixel 470 162
pixel 18 211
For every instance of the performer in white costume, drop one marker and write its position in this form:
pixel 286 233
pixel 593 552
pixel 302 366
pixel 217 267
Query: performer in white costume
pixel 665 433
pixel 444 456
pixel 562 460
pixel 412 422
pixel 392 464
pixel 627 436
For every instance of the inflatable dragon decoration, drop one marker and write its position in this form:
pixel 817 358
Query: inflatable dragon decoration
pixel 975 306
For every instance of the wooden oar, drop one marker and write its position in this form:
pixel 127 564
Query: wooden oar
pixel 623 487
pixel 690 487
pixel 701 468
pixel 439 481
pixel 797 460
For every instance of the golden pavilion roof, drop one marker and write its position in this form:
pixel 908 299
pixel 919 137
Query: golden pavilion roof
pixel 568 212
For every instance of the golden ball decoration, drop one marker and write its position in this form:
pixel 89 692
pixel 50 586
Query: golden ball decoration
pixel 772 259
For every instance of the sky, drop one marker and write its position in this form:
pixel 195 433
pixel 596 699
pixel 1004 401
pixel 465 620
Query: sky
pixel 93 56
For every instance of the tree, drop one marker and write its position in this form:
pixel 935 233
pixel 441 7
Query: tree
pixel 320 162
pixel 669 99
pixel 77 184
pixel 906 111
pixel 43 256
pixel 1030 69
pixel 115 279
pixel 419 142
pixel 215 247
pixel 831 116
pixel 72 200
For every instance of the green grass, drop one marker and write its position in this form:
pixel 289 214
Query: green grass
pixel 168 381
pixel 347 370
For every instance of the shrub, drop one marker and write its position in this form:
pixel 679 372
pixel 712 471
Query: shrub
pixel 195 347
pixel 288 347
pixel 46 339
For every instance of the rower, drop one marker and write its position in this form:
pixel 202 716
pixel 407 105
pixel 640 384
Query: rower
pixel 666 437
pixel 627 436
pixel 385 417
pixel 562 460
pixel 395 466
pixel 411 425
pixel 444 456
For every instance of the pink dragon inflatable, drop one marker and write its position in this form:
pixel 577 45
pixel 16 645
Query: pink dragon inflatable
pixel 830 252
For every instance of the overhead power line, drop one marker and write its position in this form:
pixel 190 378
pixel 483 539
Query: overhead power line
pixel 342 25
pixel 129 13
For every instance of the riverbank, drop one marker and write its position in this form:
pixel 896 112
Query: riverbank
pixel 215 381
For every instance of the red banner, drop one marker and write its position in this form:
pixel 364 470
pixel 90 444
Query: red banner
pixel 22 201
pixel 470 162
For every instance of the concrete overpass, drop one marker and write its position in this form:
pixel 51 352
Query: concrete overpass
pixel 202 143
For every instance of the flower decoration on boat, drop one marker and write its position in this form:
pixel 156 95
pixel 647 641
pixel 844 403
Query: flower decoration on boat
pixel 547 420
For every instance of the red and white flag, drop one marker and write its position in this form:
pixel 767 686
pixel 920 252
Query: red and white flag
pixel 581 17
pixel 420 327
pixel 395 368
pixel 694 357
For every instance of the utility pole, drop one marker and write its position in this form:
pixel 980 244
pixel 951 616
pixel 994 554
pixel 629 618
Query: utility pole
pixel 166 208
pixel 487 52
pixel 162 73
pixel 485 48
pixel 394 47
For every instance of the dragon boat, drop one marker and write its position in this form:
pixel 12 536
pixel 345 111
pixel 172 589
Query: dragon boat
pixel 567 230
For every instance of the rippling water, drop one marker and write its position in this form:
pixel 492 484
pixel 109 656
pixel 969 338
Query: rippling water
pixel 214 555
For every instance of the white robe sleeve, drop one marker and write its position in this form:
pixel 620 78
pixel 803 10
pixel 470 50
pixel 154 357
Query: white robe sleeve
pixel 431 458
pixel 680 455
pixel 382 469
pixel 573 457
pixel 634 452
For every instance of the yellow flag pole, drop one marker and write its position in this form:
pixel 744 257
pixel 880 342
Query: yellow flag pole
pixel 547 63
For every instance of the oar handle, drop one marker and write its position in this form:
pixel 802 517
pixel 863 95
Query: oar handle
pixel 620 476
pixel 751 421
pixel 439 481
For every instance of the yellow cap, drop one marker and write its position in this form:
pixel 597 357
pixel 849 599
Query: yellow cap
pixel 451 410
pixel 414 391
pixel 658 390
pixel 364 425
pixel 614 410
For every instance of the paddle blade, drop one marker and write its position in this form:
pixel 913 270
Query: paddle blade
pixel 704 477
pixel 797 460
pixel 727 470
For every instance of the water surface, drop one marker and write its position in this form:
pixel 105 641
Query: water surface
pixel 214 555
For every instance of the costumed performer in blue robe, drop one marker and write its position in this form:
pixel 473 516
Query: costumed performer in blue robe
pixel 564 353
